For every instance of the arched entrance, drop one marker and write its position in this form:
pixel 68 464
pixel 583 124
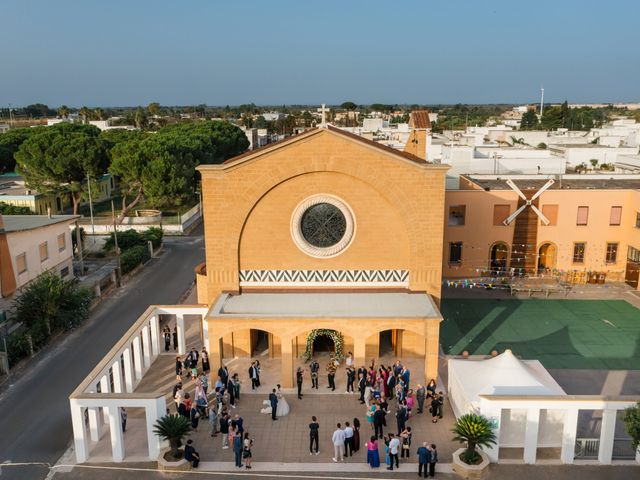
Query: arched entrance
pixel 323 343
pixel 260 342
pixel 498 256
pixel 547 254
pixel 389 342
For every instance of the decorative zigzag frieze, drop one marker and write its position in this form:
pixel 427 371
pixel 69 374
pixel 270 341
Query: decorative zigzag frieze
pixel 303 278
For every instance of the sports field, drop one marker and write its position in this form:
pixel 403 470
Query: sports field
pixel 598 334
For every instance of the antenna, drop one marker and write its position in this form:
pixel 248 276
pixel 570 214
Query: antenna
pixel 541 101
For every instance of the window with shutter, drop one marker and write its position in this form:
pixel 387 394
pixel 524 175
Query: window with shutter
pixel 500 214
pixel 551 212
pixel 616 216
pixel 583 216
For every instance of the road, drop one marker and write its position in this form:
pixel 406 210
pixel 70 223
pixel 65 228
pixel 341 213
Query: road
pixel 35 424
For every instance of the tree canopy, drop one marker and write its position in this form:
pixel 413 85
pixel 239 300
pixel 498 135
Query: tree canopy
pixel 58 159
pixel 10 143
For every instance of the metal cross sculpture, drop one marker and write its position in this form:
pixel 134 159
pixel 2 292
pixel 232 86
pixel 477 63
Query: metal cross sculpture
pixel 528 202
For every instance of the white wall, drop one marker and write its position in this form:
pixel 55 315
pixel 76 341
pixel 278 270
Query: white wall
pixel 29 242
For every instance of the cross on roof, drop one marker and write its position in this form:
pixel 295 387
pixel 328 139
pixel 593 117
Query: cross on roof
pixel 323 111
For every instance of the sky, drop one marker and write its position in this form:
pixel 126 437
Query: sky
pixel 222 52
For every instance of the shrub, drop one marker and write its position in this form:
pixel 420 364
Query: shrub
pixel 475 431
pixel 18 347
pixel 8 209
pixel 173 428
pixel 49 304
pixel 133 257
pixel 126 240
pixel 632 424
pixel 154 235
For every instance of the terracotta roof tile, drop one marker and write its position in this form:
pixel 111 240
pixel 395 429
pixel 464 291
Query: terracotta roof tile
pixel 344 133
pixel 420 119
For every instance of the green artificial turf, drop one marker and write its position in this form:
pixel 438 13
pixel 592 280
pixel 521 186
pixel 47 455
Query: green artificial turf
pixel 595 334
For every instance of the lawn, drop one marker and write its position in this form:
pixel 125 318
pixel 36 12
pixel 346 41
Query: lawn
pixel 598 334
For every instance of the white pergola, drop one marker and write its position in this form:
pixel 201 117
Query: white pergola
pixel 111 384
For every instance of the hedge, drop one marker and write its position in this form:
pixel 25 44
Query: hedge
pixel 133 257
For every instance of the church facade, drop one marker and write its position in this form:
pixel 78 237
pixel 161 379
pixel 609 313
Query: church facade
pixel 323 232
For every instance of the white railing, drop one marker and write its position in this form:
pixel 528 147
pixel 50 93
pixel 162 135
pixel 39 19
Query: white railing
pixel 587 448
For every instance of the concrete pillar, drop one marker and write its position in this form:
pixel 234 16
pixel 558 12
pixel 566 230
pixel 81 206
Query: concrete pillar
pixel 80 440
pixel 182 341
pixel 115 431
pixel 531 435
pixel 286 374
pixel 105 387
pixel 432 350
pixel 95 423
pixel 205 333
pixel 137 358
pixel 607 433
pixel 155 335
pixel 128 370
pixel 146 347
pixel 117 376
pixel 359 351
pixel 569 433
pixel 154 411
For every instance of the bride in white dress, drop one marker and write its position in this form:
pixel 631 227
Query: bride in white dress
pixel 283 407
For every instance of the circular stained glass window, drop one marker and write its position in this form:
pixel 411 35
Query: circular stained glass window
pixel 323 225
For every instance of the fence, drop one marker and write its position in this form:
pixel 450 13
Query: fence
pixel 174 225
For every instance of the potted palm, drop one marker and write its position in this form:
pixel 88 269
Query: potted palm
pixel 173 428
pixel 474 431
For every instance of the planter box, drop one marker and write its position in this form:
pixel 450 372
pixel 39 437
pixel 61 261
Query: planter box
pixel 168 466
pixel 474 472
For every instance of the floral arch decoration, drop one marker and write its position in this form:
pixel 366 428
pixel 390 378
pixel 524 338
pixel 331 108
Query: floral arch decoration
pixel 338 342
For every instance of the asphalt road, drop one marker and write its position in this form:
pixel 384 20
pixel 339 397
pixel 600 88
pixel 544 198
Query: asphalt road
pixel 35 425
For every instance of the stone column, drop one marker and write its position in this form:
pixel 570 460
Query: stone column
pixel 80 441
pixel 128 370
pixel 154 325
pixel 569 433
pixel 607 433
pixel 154 411
pixel 432 350
pixel 146 347
pixel 286 374
pixel 117 377
pixel 531 435
pixel 359 351
pixel 115 431
pixel 137 358
pixel 95 423
pixel 182 341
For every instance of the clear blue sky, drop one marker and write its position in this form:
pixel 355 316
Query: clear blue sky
pixel 218 52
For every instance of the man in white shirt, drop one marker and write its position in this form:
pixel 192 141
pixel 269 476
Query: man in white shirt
pixel 348 439
pixel 394 447
pixel 338 439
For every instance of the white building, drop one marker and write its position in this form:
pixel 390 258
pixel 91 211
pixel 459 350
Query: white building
pixel 37 244
pixel 575 155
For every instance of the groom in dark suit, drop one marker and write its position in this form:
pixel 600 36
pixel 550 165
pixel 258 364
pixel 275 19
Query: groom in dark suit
pixel 253 375
pixel 273 399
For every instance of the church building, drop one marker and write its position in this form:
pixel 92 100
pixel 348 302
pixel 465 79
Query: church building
pixel 324 238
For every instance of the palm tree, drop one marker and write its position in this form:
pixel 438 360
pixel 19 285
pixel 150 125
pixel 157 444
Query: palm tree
pixel 98 113
pixel 475 431
pixel 63 111
pixel 85 113
pixel 173 428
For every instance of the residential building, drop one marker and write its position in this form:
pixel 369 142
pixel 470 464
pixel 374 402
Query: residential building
pixel 34 244
pixel 591 224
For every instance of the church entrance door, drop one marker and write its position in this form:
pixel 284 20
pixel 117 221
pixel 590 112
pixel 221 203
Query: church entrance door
pixel 323 343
